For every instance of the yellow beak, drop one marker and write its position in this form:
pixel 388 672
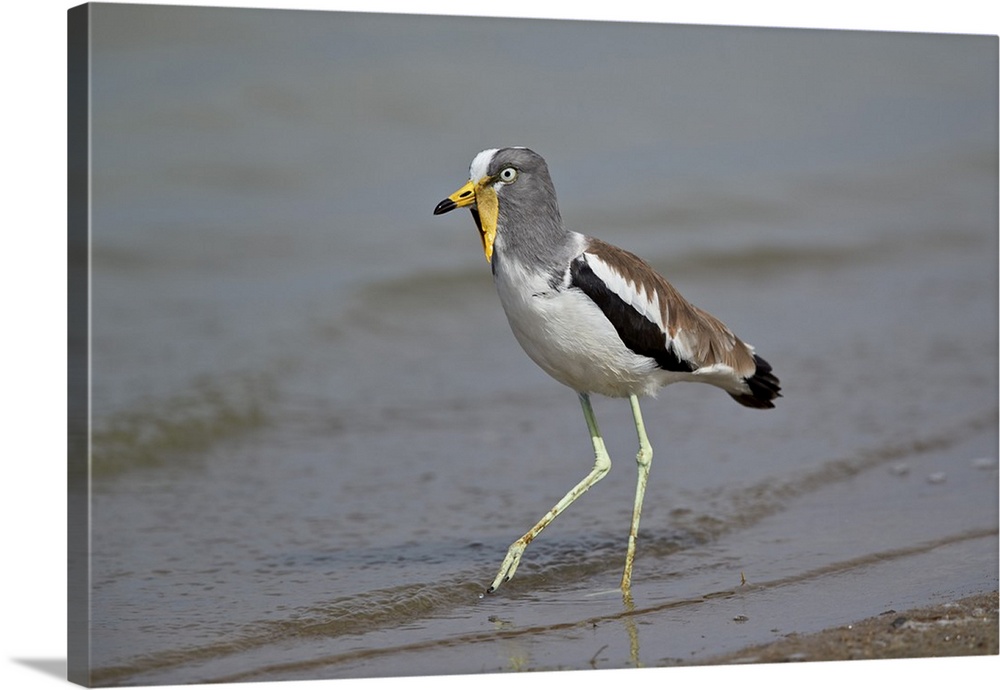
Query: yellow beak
pixel 482 199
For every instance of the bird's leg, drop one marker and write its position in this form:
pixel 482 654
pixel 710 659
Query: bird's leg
pixel 602 463
pixel 643 459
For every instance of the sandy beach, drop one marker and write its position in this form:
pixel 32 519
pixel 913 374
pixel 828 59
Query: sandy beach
pixel 967 627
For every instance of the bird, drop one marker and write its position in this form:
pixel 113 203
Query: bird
pixel 596 318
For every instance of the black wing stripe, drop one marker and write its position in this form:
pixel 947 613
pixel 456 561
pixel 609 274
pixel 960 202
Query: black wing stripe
pixel 639 334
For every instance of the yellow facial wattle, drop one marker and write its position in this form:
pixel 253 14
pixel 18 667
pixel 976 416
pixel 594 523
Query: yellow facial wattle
pixel 486 204
pixel 483 197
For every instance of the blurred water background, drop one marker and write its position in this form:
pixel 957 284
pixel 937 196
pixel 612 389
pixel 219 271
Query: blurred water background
pixel 314 436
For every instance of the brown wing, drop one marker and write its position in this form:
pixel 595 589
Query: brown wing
pixel 695 336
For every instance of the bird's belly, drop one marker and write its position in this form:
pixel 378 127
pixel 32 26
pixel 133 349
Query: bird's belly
pixel 569 337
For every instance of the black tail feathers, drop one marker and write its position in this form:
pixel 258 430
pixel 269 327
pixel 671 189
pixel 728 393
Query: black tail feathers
pixel 764 387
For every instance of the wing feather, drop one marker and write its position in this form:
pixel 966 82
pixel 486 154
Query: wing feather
pixel 662 322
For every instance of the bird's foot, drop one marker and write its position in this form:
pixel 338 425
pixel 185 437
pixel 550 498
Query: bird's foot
pixel 509 565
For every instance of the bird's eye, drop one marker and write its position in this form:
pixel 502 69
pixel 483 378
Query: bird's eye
pixel 508 175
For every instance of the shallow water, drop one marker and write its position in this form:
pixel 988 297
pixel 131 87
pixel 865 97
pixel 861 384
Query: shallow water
pixel 314 436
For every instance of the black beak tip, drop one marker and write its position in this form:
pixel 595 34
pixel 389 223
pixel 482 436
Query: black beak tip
pixel 444 207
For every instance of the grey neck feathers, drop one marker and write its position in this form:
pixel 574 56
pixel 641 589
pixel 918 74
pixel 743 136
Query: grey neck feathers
pixel 533 234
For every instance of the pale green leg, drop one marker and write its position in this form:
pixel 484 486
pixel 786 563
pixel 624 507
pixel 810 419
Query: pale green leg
pixel 602 463
pixel 643 459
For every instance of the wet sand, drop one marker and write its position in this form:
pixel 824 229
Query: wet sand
pixel 967 627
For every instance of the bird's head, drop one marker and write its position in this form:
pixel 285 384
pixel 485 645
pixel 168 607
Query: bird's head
pixel 508 176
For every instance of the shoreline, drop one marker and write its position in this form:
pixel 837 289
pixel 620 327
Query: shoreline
pixel 966 627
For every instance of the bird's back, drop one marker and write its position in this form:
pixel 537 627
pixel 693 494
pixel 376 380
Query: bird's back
pixel 611 324
pixel 654 320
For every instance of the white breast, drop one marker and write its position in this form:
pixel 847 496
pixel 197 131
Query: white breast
pixel 569 337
